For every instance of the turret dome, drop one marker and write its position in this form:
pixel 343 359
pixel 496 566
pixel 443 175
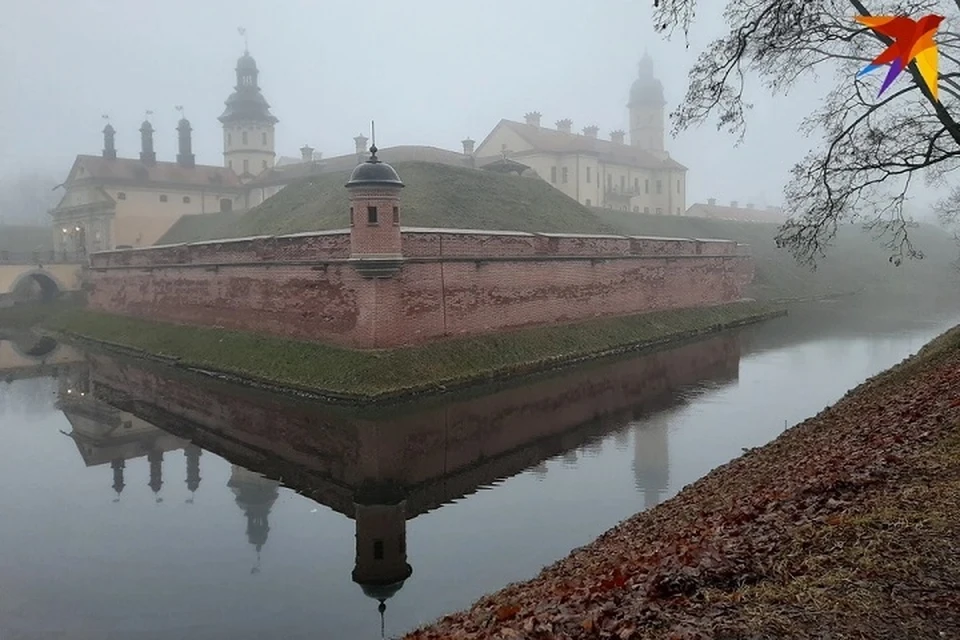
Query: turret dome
pixel 374 172
pixel 646 88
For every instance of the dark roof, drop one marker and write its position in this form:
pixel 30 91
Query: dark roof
pixel 551 140
pixel 129 170
pixel 374 172
pixel 247 103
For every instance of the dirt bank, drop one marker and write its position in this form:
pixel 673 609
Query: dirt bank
pixel 844 527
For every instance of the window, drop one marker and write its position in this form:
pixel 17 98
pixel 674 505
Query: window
pixel 246 166
pixel 229 139
pixel 263 138
pixel 678 210
pixel 659 211
pixel 396 215
pixel 378 549
pixel 588 175
pixel 121 196
pixel 264 164
pixel 609 182
pixel 636 185
pixel 636 209
pixel 226 204
pixel 646 186
pixel 646 210
pixel 623 183
pixel 678 186
pixel 230 164
pixel 371 215
pixel 565 174
pixel 659 186
pixel 351 216
pixel 553 175
pixel 186 199
pixel 243 137
pixel 163 197
pixel 588 202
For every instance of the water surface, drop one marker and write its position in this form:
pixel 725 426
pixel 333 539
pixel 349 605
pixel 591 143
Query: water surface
pixel 134 506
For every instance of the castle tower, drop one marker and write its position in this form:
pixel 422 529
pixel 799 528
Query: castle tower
pixel 646 109
pixel 375 245
pixel 185 157
pixel 651 459
pixel 109 148
pixel 192 453
pixel 380 566
pixel 118 484
pixel 155 458
pixel 248 125
pixel 147 154
pixel 255 494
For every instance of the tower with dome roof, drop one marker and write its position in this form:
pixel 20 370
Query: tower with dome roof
pixel 248 125
pixel 646 109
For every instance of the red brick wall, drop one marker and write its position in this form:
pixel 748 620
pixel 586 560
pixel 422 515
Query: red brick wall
pixel 452 284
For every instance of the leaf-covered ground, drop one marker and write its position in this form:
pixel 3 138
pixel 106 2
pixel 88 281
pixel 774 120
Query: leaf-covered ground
pixel 847 526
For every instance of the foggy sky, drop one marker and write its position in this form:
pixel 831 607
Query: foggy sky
pixel 428 71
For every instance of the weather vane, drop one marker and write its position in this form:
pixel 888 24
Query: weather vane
pixel 149 113
pixel 179 109
pixel 243 32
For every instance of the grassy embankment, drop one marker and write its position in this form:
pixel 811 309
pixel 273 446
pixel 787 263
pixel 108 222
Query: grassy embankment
pixel 844 526
pixel 352 375
pixel 452 197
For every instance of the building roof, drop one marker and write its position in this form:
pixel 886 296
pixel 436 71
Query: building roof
pixel 290 172
pixel 554 141
pixel 133 171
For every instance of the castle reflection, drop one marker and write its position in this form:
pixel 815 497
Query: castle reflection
pixel 383 468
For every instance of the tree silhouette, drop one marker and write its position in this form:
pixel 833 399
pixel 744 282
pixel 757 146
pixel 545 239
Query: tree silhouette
pixel 871 150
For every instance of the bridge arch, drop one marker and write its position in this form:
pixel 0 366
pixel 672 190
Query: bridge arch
pixel 50 286
pixel 31 346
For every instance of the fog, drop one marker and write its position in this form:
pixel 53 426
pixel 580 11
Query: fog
pixel 429 72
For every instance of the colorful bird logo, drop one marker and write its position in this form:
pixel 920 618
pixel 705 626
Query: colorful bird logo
pixel 912 41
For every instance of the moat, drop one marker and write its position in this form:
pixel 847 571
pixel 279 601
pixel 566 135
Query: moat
pixel 134 505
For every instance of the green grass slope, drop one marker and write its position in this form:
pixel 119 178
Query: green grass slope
pixel 436 195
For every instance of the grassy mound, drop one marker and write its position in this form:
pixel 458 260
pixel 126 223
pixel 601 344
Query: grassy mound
pixel 436 195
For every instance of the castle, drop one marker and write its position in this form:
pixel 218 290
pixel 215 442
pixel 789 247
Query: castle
pixel 111 201
pixel 377 284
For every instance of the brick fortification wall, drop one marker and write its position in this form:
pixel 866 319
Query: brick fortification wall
pixel 450 283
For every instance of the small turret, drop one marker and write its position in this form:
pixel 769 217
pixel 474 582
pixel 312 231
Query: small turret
pixel 185 157
pixel 375 240
pixel 109 150
pixel 147 155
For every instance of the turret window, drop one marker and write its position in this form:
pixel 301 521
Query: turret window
pixel 351 216
pixel 371 215
pixel 396 215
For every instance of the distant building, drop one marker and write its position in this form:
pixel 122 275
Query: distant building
pixel 111 201
pixel 734 211
pixel 639 176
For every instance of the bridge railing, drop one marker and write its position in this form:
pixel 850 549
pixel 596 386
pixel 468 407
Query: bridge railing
pixel 42 257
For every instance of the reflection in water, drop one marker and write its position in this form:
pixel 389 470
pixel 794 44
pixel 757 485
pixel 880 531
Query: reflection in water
pixel 556 451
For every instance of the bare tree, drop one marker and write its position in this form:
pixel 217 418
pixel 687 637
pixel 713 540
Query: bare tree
pixel 873 150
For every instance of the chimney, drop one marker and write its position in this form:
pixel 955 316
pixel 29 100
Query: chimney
pixel 361 141
pixel 147 156
pixel 185 157
pixel 533 119
pixel 467 146
pixel 109 151
pixel 591 131
pixel 564 125
pixel 618 136
pixel 306 153
pixel 734 203
pixel 712 202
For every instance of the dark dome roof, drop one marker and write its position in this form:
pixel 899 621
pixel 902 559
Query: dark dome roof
pixel 146 126
pixel 246 61
pixel 385 590
pixel 247 103
pixel 646 88
pixel 373 172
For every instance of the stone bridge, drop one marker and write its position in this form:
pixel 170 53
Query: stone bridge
pixel 24 354
pixel 43 275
